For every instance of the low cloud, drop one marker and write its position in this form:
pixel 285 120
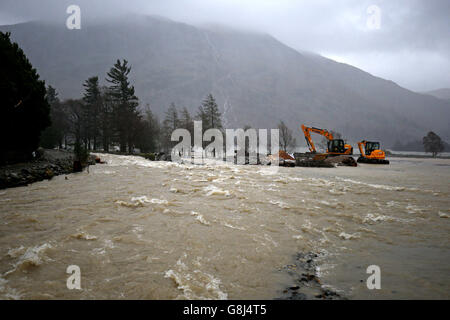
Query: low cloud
pixel 411 45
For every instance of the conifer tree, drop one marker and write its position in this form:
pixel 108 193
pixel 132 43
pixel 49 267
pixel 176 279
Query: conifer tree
pixel 24 111
pixel 56 134
pixel 92 104
pixel 125 103
pixel 209 112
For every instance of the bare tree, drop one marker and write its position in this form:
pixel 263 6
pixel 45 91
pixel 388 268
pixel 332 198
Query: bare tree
pixel 170 124
pixel 287 140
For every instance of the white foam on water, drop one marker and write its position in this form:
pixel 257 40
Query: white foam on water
pixel 280 204
pixel 330 204
pixel 137 230
pixel 97 251
pixel 270 239
pixel 319 182
pixel 268 170
pixel 108 243
pixel 443 215
pixel 15 252
pixel 135 202
pixel 226 224
pixel 200 218
pixel 265 240
pixel 387 187
pixel 391 203
pixel 83 235
pixel 159 201
pixel 296 179
pixel 323 270
pixel 307 226
pixel 348 236
pixel 370 218
pixel 8 293
pixel 118 160
pixel 376 186
pixel 390 188
pixel 413 209
pixel 196 284
pixel 29 257
pixel 336 191
pixel 105 172
pixel 140 202
pixel 212 190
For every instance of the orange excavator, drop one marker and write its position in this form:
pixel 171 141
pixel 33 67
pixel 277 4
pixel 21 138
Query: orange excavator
pixel 371 153
pixel 335 147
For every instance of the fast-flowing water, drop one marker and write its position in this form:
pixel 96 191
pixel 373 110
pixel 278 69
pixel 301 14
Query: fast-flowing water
pixel 160 230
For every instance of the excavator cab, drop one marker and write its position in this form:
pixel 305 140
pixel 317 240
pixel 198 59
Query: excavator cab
pixel 371 146
pixel 336 146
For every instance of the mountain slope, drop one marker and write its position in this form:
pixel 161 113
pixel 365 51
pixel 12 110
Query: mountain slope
pixel 256 79
pixel 443 93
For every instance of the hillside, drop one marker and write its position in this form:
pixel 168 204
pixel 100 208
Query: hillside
pixel 256 79
pixel 443 93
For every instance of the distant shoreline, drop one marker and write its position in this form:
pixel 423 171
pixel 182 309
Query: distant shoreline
pixel 418 156
pixel 388 155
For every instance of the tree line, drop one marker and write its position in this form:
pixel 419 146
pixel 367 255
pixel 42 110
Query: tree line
pixel 431 143
pixel 106 117
pixel 109 116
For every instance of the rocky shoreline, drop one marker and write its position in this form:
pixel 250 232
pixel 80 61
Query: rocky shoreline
pixel 306 285
pixel 51 163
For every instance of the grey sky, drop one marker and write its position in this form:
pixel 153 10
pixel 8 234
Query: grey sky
pixel 411 47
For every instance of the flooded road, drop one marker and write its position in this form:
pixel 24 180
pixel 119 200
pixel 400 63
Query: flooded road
pixel 159 230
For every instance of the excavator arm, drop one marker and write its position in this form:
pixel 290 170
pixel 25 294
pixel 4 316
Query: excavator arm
pixel 307 132
pixel 362 146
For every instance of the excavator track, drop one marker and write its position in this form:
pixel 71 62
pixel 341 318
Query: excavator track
pixel 372 161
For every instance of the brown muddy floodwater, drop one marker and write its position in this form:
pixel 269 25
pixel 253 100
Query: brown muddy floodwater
pixel 159 230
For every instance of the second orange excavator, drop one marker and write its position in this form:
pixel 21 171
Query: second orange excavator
pixel 371 153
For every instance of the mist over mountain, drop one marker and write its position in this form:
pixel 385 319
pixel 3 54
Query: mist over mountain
pixel 256 79
pixel 443 93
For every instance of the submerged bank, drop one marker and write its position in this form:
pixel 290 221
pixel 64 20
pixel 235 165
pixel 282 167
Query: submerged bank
pixel 306 283
pixel 51 163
